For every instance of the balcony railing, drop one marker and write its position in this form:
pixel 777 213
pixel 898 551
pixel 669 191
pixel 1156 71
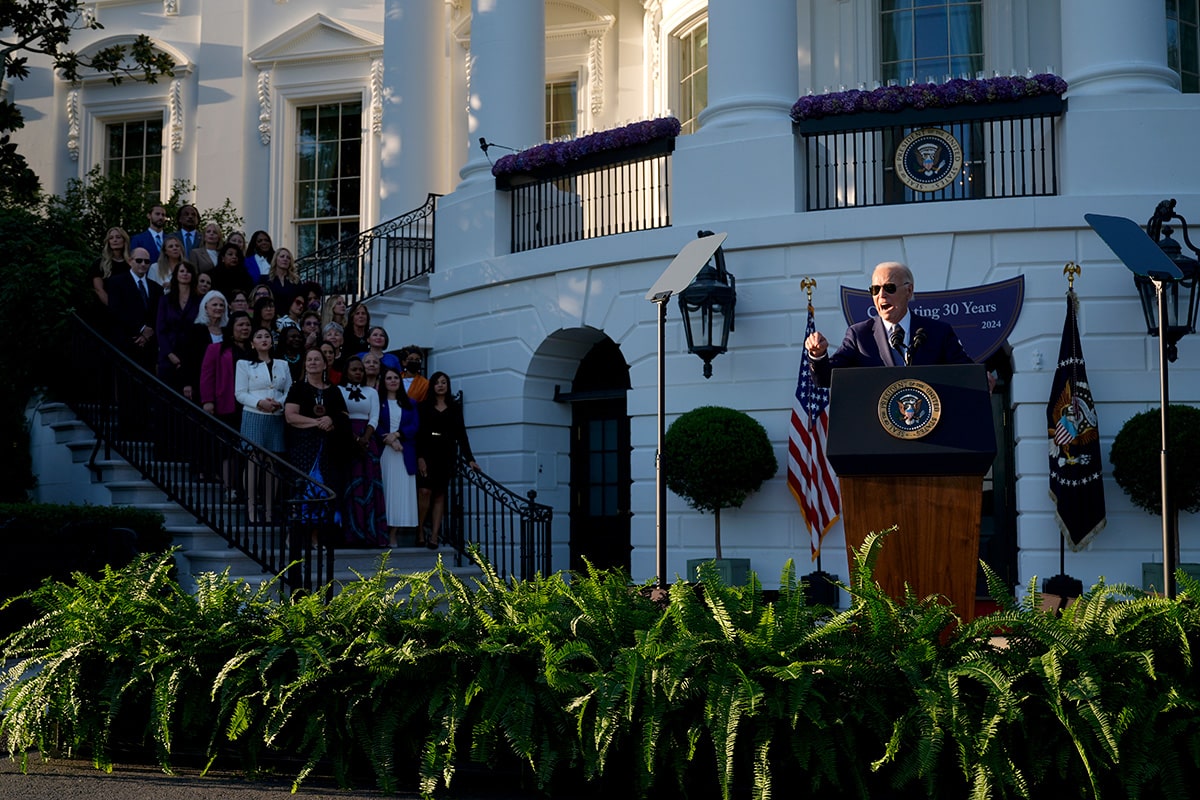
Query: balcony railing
pixel 511 532
pixel 370 263
pixel 202 464
pixel 1003 150
pixel 603 195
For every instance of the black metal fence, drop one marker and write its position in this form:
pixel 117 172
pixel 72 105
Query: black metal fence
pixel 1005 150
pixel 376 259
pixel 615 192
pixel 512 532
pixel 258 502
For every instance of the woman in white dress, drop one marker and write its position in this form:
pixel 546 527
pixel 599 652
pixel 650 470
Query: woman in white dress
pixel 260 385
pixel 397 434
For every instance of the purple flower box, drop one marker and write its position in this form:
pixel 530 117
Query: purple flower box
pixel 954 94
pixel 557 158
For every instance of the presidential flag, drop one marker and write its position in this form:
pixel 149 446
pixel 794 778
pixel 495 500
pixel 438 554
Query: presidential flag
pixel 1076 484
pixel 810 478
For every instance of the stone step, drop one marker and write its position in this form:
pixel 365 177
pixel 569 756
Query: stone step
pixel 113 469
pixel 81 450
pixel 70 430
pixel 51 413
pixel 135 492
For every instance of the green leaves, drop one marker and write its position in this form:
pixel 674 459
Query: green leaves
pixel 589 680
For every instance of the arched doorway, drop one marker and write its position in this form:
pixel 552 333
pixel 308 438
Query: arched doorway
pixel 599 455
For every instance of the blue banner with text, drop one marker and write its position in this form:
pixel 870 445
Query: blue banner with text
pixel 982 316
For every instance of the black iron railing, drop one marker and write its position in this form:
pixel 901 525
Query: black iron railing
pixel 605 194
pixel 258 502
pixel 1005 150
pixel 377 259
pixel 512 533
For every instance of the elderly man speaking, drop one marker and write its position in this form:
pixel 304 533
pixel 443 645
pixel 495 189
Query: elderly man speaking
pixel 893 338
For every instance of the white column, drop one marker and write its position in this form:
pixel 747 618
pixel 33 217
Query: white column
pixel 414 158
pixel 1115 47
pixel 752 62
pixel 507 80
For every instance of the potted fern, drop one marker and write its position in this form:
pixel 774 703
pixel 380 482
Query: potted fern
pixel 1137 469
pixel 714 458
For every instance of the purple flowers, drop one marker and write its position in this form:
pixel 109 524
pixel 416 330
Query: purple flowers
pixel 927 95
pixel 562 153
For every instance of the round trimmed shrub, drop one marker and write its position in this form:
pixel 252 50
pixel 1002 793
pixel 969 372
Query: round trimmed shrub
pixel 1135 459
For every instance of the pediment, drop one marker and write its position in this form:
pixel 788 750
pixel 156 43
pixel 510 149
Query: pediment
pixel 183 66
pixel 316 38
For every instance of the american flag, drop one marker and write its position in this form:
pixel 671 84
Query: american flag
pixel 810 478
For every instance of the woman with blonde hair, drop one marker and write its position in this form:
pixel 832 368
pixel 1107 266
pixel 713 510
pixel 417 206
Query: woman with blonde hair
pixel 170 257
pixel 113 260
pixel 334 310
pixel 204 254
pixel 283 278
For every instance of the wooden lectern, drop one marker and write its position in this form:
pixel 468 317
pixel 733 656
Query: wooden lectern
pixel 896 468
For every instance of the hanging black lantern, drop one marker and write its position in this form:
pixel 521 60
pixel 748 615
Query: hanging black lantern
pixel 1181 295
pixel 707 305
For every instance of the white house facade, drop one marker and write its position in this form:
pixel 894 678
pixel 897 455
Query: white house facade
pixel 555 348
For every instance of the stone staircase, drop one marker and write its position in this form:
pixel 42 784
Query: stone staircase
pixel 63 447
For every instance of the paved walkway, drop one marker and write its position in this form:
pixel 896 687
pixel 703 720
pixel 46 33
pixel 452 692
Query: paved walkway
pixel 72 780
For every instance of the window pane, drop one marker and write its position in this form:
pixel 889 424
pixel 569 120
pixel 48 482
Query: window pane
pixel 328 123
pixel 134 139
pixel 1189 11
pixel 349 200
pixel 306 200
pixel 327 199
pixel 930 28
pixel 897 37
pixel 891 5
pixel 307 129
pixel 306 237
pixel 1187 52
pixel 327 160
pixel 351 158
pixel 1173 45
pixel 306 162
pixel 966 35
pixel 351 120
pixel 153 137
pixel 116 138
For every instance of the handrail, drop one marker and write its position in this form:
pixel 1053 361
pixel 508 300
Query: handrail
pixel 511 532
pixel 201 463
pixel 377 259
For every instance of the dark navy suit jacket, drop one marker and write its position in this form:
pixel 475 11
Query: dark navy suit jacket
pixel 866 345
pixel 146 239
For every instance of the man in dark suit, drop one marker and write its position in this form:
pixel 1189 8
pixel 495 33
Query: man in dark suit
pixel 152 238
pixel 886 340
pixel 133 307
pixel 187 219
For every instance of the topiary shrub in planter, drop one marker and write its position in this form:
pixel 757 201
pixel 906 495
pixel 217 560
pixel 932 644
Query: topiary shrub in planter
pixel 1136 452
pixel 1137 468
pixel 714 458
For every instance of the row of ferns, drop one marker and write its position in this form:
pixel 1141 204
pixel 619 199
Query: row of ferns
pixel 585 686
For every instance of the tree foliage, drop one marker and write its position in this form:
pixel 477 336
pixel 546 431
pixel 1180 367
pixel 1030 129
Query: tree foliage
pixel 97 202
pixel 44 28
